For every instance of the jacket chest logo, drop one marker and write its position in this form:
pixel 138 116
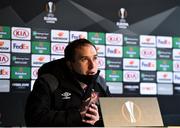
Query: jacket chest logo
pixel 66 95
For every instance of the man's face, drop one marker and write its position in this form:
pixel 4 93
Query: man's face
pixel 85 60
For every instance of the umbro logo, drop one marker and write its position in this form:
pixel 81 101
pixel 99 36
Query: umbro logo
pixel 66 95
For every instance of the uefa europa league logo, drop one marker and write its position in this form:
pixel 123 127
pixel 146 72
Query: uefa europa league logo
pixel 122 13
pixel 50 5
pixel 130 107
pixel 50 8
pixel 131 112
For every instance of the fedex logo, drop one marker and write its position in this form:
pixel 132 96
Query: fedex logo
pixel 149 65
pixel 176 77
pixel 21 33
pixel 164 42
pixel 21 46
pixel 74 35
pixel 113 51
pixel 176 65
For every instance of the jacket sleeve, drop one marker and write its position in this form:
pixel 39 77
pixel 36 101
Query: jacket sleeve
pixel 38 111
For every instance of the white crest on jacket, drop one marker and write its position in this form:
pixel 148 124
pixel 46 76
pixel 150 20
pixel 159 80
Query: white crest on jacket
pixel 66 95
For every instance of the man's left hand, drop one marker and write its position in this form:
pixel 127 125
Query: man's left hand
pixel 92 115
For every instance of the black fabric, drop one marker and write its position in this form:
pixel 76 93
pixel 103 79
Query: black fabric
pixel 60 107
pixel 87 79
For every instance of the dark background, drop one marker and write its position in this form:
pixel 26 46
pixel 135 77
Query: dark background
pixel 152 17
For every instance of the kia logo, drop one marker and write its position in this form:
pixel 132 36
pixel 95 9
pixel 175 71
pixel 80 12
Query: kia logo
pixel 58 48
pixel 21 33
pixel 35 73
pixel 113 38
pixel 3 59
pixel 148 52
pixel 131 76
pixel 100 62
pixel 177 65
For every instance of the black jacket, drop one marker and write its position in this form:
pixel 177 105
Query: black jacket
pixel 57 96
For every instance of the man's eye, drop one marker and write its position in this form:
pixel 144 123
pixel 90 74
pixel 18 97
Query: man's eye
pixel 95 58
pixel 83 59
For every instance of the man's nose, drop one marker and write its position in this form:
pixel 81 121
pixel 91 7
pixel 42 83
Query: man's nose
pixel 91 64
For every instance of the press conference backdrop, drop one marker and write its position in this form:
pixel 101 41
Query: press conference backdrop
pixel 143 65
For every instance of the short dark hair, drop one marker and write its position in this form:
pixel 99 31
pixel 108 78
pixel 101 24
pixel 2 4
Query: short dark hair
pixel 70 48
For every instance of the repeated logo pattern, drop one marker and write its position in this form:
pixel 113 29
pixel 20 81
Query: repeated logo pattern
pixel 142 65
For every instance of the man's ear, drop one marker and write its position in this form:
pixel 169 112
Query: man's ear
pixel 69 64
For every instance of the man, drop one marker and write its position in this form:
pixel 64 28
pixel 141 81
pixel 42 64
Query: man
pixel 66 91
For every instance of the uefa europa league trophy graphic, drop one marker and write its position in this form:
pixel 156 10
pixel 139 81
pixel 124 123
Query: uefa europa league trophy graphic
pixel 122 24
pixel 130 107
pixel 50 8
